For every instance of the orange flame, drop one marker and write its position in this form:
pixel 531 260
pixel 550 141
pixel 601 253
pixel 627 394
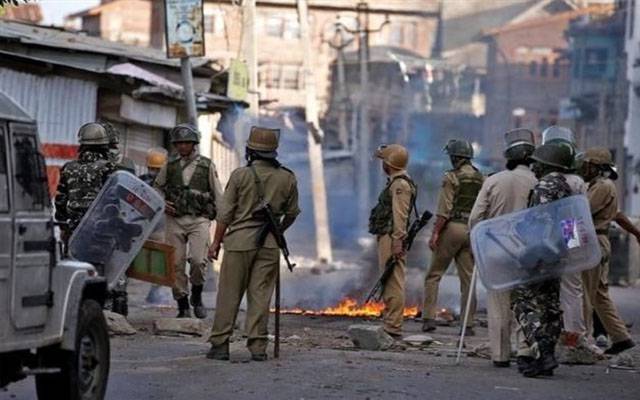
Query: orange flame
pixel 349 307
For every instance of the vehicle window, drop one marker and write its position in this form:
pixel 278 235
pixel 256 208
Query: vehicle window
pixel 4 178
pixel 29 175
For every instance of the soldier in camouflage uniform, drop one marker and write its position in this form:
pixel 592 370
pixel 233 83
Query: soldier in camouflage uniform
pixel 192 191
pixel 123 163
pixel 450 239
pixel 537 306
pixel 82 179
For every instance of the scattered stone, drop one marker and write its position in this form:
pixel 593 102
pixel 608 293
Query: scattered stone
pixel 179 327
pixel 580 355
pixel 118 324
pixel 370 337
pixel 623 360
pixel 418 340
pixel 483 350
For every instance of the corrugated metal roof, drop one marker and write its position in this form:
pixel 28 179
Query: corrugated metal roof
pixel 53 37
pixel 59 104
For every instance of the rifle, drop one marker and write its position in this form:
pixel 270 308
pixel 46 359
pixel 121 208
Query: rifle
pixel 271 225
pixel 414 229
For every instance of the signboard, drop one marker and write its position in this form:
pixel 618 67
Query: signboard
pixel 154 263
pixel 184 28
pixel 238 82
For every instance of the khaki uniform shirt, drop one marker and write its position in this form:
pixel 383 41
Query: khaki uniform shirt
pixel 401 195
pixel 447 193
pixel 503 193
pixel 188 165
pixel 603 199
pixel 241 198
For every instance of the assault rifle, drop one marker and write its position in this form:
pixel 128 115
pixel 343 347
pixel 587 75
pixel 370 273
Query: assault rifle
pixel 271 225
pixel 416 226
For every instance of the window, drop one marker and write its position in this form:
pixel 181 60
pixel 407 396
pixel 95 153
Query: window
pixel 556 69
pixel 533 68
pixel 595 62
pixel 274 26
pixel 273 76
pixel 291 28
pixel 544 67
pixel 214 23
pixel 396 35
pixel 4 178
pixel 290 77
pixel 30 190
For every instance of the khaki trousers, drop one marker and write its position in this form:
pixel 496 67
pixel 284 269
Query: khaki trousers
pixel 597 297
pixel 253 272
pixel 193 232
pixel 393 294
pixel 572 303
pixel 454 243
pixel 501 322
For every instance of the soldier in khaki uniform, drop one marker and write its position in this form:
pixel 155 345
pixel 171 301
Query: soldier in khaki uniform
pixel 192 190
pixel 597 169
pixel 250 263
pixel 389 221
pixel 506 192
pixel 450 238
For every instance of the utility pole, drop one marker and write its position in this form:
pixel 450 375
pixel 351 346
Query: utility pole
pixel 189 92
pixel 250 52
pixel 343 97
pixel 314 138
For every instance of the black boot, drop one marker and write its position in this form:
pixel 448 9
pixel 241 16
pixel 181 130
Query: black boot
pixel 429 325
pixel 543 366
pixel 220 352
pixel 619 347
pixel 183 308
pixel 196 302
pixel 524 362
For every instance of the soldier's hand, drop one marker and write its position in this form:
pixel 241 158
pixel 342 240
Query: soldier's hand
pixel 214 250
pixel 433 242
pixel 397 248
pixel 170 208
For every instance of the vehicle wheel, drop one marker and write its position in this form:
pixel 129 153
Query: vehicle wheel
pixel 85 371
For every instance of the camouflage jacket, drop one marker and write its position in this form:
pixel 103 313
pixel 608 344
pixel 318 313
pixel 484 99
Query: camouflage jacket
pixel 551 187
pixel 80 182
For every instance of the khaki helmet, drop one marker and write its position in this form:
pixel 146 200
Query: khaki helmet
pixel 554 156
pixel 394 155
pixel 264 140
pixel 520 144
pixel 459 148
pixel 601 156
pixel 156 158
pixel 92 134
pixel 184 133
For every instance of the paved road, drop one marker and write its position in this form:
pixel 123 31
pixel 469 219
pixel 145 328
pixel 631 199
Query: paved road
pixel 321 364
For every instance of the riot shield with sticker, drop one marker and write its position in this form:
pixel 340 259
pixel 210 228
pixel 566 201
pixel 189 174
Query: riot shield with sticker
pixel 536 244
pixel 116 225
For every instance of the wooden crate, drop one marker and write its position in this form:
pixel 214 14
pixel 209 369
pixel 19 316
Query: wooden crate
pixel 155 263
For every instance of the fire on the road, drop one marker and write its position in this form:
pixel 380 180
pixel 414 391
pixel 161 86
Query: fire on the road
pixel 349 307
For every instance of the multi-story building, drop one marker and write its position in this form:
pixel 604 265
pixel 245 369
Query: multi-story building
pixel 632 127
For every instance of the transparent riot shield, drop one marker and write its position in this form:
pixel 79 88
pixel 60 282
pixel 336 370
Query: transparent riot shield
pixel 558 133
pixel 536 244
pixel 116 225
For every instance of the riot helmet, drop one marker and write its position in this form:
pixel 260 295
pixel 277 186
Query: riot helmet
pixel 519 144
pixel 264 141
pixel 184 133
pixel 92 134
pixel 393 155
pixel 459 148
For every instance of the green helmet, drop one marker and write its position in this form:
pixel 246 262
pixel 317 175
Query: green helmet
pixel 184 133
pixel 519 144
pixel 561 136
pixel 92 134
pixel 459 148
pixel 554 156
